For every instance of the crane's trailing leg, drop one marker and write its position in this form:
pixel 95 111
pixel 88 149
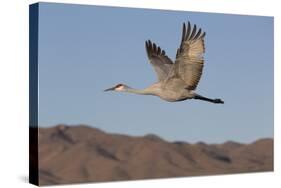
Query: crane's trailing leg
pixel 217 101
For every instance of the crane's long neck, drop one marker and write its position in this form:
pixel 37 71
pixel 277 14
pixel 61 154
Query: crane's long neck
pixel 145 91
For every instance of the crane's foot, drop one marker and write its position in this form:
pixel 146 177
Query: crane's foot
pixel 218 101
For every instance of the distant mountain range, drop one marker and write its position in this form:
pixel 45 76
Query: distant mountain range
pixel 79 154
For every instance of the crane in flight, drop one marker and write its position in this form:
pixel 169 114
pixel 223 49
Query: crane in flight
pixel 176 81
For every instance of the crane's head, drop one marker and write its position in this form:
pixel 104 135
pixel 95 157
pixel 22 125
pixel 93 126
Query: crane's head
pixel 118 87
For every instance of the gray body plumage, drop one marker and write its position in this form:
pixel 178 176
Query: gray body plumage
pixel 176 81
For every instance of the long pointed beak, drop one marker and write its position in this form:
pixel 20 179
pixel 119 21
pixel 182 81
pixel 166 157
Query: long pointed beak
pixel 110 89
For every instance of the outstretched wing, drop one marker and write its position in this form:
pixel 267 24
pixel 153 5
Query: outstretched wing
pixel 189 59
pixel 160 62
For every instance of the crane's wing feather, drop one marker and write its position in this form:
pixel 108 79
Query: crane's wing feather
pixel 159 60
pixel 189 59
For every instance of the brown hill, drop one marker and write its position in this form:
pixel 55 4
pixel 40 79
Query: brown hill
pixel 79 154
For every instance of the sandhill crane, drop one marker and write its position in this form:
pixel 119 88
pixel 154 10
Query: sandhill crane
pixel 176 81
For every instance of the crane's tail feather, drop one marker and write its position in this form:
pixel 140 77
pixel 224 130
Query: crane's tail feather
pixel 216 101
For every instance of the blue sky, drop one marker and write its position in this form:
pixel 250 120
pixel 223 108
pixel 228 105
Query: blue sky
pixel 86 49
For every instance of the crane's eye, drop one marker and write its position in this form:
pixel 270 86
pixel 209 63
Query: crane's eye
pixel 118 85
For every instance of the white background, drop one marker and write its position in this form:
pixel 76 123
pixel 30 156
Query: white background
pixel 14 91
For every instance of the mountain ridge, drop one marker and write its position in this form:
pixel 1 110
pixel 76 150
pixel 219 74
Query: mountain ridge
pixel 78 154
